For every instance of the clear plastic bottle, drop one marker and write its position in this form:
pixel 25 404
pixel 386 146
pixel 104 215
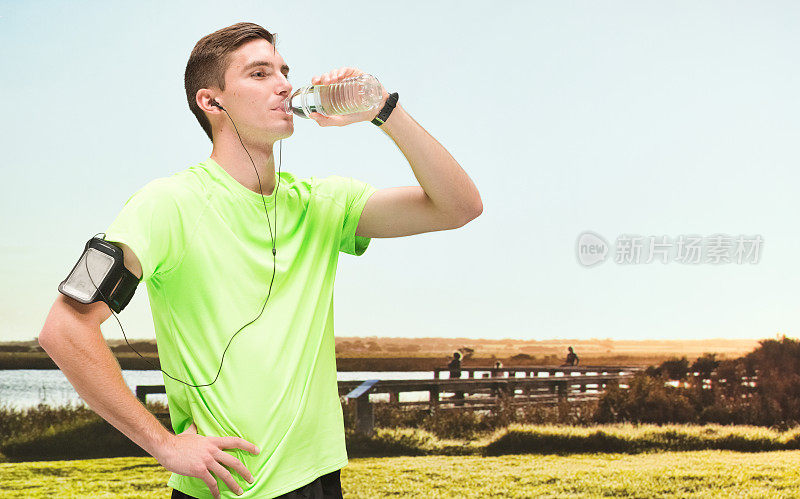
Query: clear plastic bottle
pixel 351 95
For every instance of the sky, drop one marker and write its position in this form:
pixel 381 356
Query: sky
pixel 620 119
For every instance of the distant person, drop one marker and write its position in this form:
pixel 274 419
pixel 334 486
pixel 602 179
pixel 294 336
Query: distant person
pixel 455 365
pixel 495 371
pixel 496 374
pixel 572 358
pixel 455 373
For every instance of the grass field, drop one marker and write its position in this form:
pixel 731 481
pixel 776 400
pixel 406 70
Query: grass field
pixel 663 474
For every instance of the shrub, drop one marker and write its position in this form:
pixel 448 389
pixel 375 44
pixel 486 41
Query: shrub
pixel 647 400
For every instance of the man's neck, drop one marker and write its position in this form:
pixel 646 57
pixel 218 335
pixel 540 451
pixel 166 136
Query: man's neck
pixel 234 160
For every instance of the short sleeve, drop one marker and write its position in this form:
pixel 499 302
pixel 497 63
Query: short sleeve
pixel 355 195
pixel 150 224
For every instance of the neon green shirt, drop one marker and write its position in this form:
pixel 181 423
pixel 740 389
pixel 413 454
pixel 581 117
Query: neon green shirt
pixel 204 244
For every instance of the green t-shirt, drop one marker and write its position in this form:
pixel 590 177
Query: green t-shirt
pixel 204 244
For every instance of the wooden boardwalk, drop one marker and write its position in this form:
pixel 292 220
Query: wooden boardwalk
pixel 481 389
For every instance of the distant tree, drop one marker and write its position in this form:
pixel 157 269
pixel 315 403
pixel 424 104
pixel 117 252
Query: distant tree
pixel 551 359
pixel 705 365
pixel 675 369
pixel 776 364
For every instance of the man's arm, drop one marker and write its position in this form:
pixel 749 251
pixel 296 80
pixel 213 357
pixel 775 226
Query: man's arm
pixel 72 337
pixel 446 198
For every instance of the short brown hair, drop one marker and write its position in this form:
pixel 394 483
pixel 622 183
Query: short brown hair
pixel 210 59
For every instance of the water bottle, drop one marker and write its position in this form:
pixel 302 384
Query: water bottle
pixel 351 95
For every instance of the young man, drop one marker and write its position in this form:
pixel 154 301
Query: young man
pixel 239 259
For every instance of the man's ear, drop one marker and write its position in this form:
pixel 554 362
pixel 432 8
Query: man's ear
pixel 207 102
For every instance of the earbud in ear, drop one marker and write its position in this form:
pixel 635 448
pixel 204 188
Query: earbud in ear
pixel 216 104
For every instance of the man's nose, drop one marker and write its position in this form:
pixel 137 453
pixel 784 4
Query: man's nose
pixel 287 87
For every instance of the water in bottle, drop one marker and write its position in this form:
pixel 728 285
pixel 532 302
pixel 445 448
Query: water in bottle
pixel 351 95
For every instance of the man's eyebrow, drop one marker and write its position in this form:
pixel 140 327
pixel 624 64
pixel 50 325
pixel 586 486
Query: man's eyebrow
pixel 264 63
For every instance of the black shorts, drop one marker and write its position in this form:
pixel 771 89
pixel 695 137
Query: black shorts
pixel 324 487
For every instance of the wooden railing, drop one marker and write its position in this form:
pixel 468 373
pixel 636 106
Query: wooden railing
pixel 482 389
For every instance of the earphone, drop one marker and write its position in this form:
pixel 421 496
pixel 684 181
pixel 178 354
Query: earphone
pixel 274 253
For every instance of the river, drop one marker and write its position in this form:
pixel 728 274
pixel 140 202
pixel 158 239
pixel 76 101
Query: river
pixel 22 388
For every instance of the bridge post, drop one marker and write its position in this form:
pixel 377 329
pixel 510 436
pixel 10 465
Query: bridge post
pixel 562 390
pixel 365 416
pixel 141 393
pixel 563 407
pixel 434 398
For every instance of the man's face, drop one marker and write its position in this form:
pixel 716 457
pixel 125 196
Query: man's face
pixel 254 89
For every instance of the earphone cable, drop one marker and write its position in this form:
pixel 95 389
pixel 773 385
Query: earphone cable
pixel 274 253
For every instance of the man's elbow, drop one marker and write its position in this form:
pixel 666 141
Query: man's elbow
pixel 46 339
pixel 39 339
pixel 472 214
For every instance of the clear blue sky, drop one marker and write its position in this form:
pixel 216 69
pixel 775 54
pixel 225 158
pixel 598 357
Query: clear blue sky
pixel 649 118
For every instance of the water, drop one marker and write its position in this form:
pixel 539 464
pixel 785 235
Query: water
pixel 21 388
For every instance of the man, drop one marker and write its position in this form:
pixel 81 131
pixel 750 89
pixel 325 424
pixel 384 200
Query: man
pixel 209 245
pixel 455 366
pixel 572 358
pixel 455 373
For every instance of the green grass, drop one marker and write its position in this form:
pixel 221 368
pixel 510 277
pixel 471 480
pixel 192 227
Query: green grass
pixel 663 474
pixel 515 460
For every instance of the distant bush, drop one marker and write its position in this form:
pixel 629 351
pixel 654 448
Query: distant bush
pixel 91 437
pixel 761 388
pixel 646 400
pixel 674 369
pixel 139 346
pixel 70 431
pixel 15 348
pixel 545 439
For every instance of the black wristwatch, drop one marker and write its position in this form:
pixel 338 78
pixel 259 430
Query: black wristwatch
pixel 387 109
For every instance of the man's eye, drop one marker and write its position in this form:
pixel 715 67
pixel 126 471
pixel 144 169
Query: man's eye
pixel 263 74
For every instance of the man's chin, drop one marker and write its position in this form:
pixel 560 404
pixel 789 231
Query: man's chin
pixel 286 134
pixel 282 132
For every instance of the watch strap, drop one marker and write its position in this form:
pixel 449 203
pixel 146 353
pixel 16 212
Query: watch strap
pixel 391 102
